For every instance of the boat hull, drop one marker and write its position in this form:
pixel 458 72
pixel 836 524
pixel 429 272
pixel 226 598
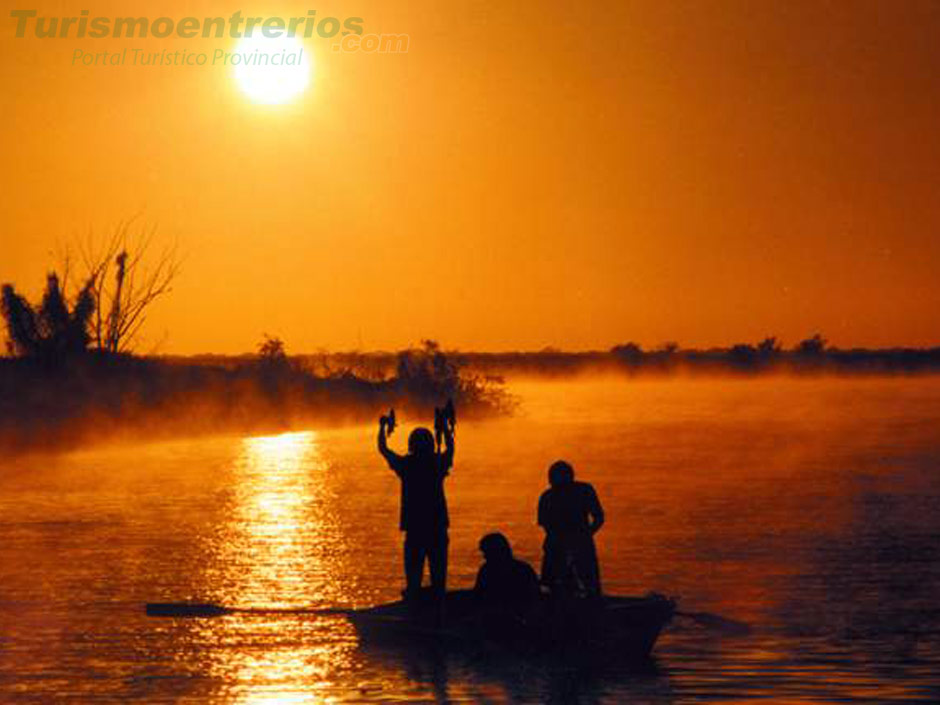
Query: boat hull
pixel 616 628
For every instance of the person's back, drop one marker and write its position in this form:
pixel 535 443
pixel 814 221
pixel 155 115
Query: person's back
pixel 567 509
pixel 570 513
pixel 423 503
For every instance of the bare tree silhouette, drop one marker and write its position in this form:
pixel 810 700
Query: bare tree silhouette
pixel 126 277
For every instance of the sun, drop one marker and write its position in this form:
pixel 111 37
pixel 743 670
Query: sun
pixel 271 69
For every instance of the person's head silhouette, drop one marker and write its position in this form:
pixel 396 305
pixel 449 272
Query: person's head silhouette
pixel 421 442
pixel 560 473
pixel 495 548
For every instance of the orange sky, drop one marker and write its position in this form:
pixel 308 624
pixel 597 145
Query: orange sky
pixel 528 174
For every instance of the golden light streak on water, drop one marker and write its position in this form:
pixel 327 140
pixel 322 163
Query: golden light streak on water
pixel 281 548
pixel 271 526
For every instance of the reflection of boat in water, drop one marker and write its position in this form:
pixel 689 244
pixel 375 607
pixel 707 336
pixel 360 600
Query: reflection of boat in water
pixel 623 629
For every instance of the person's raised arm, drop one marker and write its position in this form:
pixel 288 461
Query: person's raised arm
pixel 449 446
pixel 391 457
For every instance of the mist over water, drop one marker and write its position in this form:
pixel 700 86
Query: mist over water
pixel 808 508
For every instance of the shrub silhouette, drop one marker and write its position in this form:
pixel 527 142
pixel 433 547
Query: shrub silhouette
pixel 812 347
pixel 53 333
pixel 768 347
pixel 427 372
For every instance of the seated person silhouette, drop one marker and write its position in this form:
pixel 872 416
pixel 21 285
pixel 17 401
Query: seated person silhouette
pixel 423 515
pixel 504 583
pixel 570 513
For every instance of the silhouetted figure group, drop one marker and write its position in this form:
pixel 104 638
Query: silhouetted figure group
pixel 568 511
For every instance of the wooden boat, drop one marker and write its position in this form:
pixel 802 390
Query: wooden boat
pixel 609 627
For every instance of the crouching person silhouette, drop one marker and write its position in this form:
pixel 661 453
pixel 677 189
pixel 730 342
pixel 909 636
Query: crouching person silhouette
pixel 570 513
pixel 423 515
pixel 504 583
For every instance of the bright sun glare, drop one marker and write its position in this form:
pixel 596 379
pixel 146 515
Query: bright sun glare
pixel 272 70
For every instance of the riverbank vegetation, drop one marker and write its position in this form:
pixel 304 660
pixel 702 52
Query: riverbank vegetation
pixel 95 396
pixel 71 373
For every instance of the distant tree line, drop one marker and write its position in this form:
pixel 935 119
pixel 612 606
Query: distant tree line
pixel 811 355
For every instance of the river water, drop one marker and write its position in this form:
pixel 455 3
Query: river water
pixel 809 509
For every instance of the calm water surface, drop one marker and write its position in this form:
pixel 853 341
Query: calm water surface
pixel 810 509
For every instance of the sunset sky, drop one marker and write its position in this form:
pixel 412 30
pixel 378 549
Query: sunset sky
pixel 527 174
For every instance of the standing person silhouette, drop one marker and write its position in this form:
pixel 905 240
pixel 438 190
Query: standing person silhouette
pixel 423 515
pixel 570 513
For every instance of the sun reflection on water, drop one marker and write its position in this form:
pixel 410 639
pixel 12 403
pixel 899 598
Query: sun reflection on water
pixel 272 523
pixel 281 547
